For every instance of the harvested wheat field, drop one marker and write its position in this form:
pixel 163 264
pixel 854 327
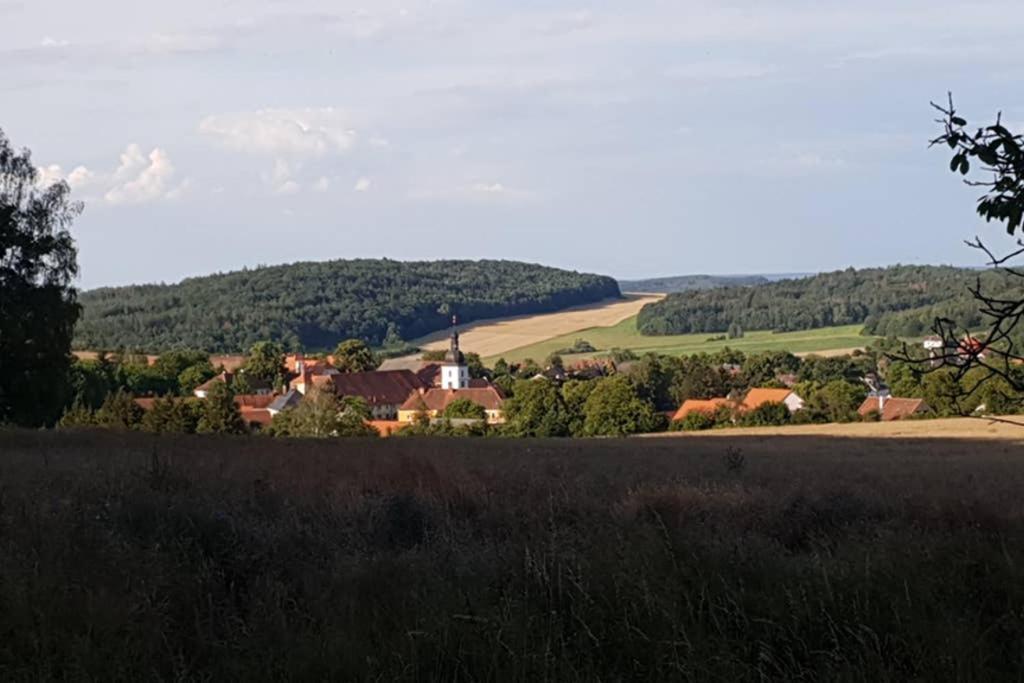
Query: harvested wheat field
pixel 493 337
pixel 1009 428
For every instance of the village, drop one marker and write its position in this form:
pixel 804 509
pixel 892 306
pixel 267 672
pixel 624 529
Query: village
pixel 433 391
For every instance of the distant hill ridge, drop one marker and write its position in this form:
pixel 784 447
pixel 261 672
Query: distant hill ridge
pixel 313 305
pixel 897 300
pixel 687 283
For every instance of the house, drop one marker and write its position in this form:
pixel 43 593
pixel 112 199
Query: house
pixel 384 391
pixel 258 387
pixel 455 385
pixel 708 407
pixel 890 409
pixel 432 403
pixel 285 401
pixel 386 427
pixel 297 364
pixel 758 397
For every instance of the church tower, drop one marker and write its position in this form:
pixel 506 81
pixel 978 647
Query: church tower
pixel 454 372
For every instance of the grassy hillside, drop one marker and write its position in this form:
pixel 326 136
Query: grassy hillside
pixel 687 283
pixel 703 559
pixel 625 335
pixel 312 306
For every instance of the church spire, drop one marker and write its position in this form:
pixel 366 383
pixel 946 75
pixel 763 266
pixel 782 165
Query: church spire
pixel 454 372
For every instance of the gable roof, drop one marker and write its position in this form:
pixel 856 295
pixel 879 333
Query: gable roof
pixel 489 397
pixel 391 387
pixel 225 377
pixel 253 400
pixel 709 406
pixel 757 397
pixel 288 400
pixel 894 408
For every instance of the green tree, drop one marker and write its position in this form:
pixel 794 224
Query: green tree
pixel 78 415
pixel 172 416
pixel 90 382
pixel 321 414
pixel 835 401
pixel 942 392
pixel 353 355
pixel 536 409
pixel 38 305
pixel 194 375
pixel 695 421
pixel 766 415
pixel 475 365
pixel 119 411
pixel 265 363
pixel 614 408
pixel 463 408
pixel 575 393
pixel 220 414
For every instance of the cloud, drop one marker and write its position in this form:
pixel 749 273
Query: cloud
pixel 138 179
pixel 485 188
pixel 281 179
pixel 362 185
pixel 53 42
pixel 567 23
pixel 142 179
pixel 322 185
pixel 182 43
pixel 294 133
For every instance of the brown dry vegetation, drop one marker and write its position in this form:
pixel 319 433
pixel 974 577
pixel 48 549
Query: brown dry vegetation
pixel 128 557
pixel 491 338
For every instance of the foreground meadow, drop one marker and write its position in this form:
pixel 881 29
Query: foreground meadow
pixel 127 557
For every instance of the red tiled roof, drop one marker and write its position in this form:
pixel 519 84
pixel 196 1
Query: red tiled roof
pixel 490 397
pixel 145 403
pixel 757 397
pixel 697 406
pixel 222 377
pixel 390 387
pixel 894 408
pixel 254 400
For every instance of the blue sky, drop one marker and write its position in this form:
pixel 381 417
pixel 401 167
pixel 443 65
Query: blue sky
pixel 634 139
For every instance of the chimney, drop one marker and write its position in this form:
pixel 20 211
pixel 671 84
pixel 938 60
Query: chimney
pixel 881 402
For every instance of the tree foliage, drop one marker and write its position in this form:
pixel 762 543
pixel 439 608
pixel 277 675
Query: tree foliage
pixel 899 300
pixel 537 408
pixel 316 305
pixel 38 307
pixel 464 409
pixel 615 408
pixel 220 414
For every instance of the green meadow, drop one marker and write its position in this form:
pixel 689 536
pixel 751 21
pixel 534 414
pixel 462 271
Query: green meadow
pixel 625 336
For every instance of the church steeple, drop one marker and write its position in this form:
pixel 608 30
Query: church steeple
pixel 454 372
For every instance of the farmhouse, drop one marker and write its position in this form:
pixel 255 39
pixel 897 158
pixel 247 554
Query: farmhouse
pixel 227 377
pixel 890 409
pixel 385 392
pixel 708 407
pixel 758 397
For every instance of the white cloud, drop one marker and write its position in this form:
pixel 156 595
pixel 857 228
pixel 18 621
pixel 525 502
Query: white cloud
pixel 182 43
pixel 485 188
pixel 322 185
pixel 49 41
pixel 294 133
pixel 139 178
pixel 281 179
pixel 362 185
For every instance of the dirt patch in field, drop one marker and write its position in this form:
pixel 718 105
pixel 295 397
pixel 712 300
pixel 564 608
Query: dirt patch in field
pixel 493 337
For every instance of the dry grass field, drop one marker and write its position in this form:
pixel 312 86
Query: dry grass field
pixel 492 338
pixel 1010 428
pixel 719 558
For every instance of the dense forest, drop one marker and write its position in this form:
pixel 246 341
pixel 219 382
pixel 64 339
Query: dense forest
pixel 899 300
pixel 313 305
pixel 687 283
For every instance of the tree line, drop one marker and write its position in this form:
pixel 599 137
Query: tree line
pixel 315 305
pixel 898 300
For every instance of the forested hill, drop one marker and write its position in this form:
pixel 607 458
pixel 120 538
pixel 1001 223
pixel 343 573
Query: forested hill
pixel 687 283
pixel 899 300
pixel 314 305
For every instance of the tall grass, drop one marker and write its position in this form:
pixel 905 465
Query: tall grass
pixel 126 557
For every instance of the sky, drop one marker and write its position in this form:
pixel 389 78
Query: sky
pixel 634 139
